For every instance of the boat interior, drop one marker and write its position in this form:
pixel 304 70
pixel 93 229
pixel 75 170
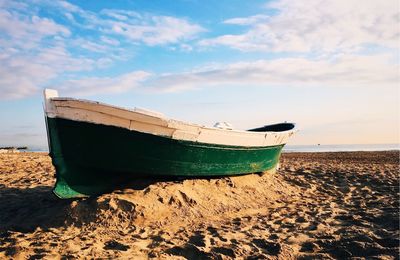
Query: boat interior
pixel 281 127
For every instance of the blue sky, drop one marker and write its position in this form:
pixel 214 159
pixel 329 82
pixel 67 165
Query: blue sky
pixel 331 67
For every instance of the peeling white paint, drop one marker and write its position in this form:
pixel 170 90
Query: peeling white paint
pixel 155 123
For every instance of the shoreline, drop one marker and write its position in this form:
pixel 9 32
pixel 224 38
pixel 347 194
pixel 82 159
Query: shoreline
pixel 283 152
pixel 301 148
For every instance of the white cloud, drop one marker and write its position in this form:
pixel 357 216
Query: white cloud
pixel 297 72
pixel 317 25
pixel 99 85
pixel 22 73
pixel 36 50
pixel 20 78
pixel 32 52
pixel 89 45
pixel 59 60
pixel 109 40
pixel 121 15
pixel 28 30
pixel 248 20
pixel 133 26
pixel 155 30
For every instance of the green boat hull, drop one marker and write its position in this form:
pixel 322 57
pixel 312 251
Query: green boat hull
pixel 91 159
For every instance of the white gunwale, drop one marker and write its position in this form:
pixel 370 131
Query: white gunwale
pixel 154 123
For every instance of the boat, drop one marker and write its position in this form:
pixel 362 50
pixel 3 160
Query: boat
pixel 95 147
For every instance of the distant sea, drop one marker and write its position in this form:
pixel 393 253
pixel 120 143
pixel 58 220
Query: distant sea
pixel 340 148
pixel 306 148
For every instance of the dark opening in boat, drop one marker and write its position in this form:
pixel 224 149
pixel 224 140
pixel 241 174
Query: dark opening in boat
pixel 274 128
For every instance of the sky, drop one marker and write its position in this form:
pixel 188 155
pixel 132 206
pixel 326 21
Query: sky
pixel 332 67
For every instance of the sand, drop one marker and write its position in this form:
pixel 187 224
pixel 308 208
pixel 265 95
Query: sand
pixel 317 206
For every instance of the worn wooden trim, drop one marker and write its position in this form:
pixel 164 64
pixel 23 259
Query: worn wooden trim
pixel 154 123
pixel 110 110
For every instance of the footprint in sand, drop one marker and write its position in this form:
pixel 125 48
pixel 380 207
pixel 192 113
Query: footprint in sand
pixel 269 247
pixel 197 239
pixel 114 245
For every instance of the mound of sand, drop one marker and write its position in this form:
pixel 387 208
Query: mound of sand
pixel 327 205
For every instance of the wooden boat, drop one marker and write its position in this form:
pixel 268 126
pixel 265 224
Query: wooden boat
pixel 95 146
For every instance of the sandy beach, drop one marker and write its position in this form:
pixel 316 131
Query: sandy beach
pixel 317 206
